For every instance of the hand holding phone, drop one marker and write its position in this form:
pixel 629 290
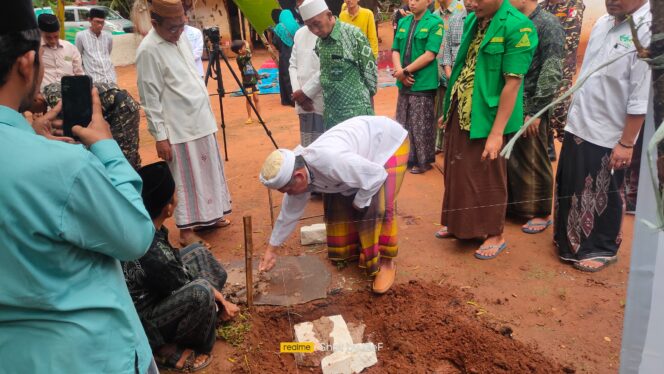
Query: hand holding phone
pixel 76 102
pixel 97 129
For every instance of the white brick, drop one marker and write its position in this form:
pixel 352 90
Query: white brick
pixel 314 234
pixel 359 358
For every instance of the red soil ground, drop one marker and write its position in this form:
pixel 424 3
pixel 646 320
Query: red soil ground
pixel 573 319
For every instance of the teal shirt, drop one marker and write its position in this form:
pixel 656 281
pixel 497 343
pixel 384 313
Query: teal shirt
pixel 67 216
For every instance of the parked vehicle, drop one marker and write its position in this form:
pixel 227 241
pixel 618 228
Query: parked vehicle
pixel 76 19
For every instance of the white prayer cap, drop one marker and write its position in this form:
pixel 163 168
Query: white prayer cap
pixel 311 8
pixel 278 169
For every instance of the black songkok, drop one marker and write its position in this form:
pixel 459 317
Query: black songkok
pixel 158 187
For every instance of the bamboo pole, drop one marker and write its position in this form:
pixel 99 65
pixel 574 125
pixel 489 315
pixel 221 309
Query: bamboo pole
pixel 269 197
pixel 248 266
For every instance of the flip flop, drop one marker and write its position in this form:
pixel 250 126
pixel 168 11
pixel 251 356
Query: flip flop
pixel 169 363
pixel 224 222
pixel 199 241
pixel 443 233
pixel 606 261
pixel 500 247
pixel 541 227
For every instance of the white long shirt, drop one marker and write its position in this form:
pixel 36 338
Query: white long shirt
pixel 96 54
pixel 348 159
pixel 173 95
pixel 195 37
pixel 599 109
pixel 304 69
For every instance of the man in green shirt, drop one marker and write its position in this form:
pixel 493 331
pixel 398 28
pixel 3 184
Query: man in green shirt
pixel 348 74
pixel 484 103
pixel 416 44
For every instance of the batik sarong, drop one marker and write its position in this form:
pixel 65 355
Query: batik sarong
pixel 203 197
pixel 588 209
pixel 530 176
pixel 370 233
pixel 416 114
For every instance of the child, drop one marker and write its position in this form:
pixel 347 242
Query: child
pixel 414 51
pixel 250 76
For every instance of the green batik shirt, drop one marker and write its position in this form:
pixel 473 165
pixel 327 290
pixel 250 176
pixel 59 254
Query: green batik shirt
pixel 545 74
pixel 348 74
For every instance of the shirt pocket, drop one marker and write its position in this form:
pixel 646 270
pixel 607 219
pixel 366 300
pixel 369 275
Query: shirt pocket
pixel 619 69
pixel 337 68
pixel 420 43
pixel 494 53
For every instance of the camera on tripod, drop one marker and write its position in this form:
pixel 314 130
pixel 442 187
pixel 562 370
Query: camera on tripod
pixel 212 33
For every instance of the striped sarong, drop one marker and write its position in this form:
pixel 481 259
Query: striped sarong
pixel 372 232
pixel 198 171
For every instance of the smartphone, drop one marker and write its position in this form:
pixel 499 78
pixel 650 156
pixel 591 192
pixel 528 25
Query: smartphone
pixel 76 102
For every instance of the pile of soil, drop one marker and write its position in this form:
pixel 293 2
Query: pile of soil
pixel 423 327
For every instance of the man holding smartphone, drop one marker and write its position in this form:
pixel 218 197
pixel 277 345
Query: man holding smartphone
pixel 69 214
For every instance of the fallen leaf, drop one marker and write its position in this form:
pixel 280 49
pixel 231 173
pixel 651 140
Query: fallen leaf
pixel 472 303
pixel 513 295
pixel 231 359
pixel 606 338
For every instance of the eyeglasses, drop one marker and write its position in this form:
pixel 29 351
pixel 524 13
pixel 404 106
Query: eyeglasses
pixel 175 29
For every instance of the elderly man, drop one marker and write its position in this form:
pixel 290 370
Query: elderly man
pixel 304 67
pixel 529 170
pixel 180 118
pixel 359 166
pixel 95 46
pixel 599 139
pixel 69 213
pixel 483 104
pixel 348 74
pixel 60 57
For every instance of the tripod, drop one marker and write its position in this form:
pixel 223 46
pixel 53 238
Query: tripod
pixel 214 71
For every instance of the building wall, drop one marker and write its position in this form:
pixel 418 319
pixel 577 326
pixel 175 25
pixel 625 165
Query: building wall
pixel 208 13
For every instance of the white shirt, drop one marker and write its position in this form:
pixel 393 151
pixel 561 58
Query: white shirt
pixel 348 159
pixel 599 109
pixel 63 60
pixel 195 37
pixel 96 54
pixel 173 95
pixel 305 68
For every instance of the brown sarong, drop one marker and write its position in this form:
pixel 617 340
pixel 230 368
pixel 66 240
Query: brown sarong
pixel 475 196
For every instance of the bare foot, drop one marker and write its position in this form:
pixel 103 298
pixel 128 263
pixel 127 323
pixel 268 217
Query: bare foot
pixel 170 349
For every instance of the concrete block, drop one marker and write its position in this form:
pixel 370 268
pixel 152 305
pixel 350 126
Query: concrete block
pixel 314 234
pixel 338 345
pixel 357 358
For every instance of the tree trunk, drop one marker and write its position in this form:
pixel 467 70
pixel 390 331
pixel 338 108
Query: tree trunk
pixel 657 49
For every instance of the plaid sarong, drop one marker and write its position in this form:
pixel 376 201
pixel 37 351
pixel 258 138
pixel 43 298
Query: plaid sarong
pixel 372 232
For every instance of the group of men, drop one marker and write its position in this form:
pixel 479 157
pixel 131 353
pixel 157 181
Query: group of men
pixel 68 259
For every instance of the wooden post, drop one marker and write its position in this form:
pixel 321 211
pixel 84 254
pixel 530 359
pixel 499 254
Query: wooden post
pixel 269 197
pixel 248 266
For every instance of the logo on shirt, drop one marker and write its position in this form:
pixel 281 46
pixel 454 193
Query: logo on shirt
pixel 526 29
pixel 625 38
pixel 497 39
pixel 440 31
pixel 68 58
pixel 524 42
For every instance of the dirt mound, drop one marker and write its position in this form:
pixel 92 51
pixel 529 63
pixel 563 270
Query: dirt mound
pixel 419 327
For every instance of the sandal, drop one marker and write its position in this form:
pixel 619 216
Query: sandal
pixel 170 362
pixel 197 240
pixel 224 222
pixel 529 227
pixel 500 247
pixel 443 233
pixel 606 261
